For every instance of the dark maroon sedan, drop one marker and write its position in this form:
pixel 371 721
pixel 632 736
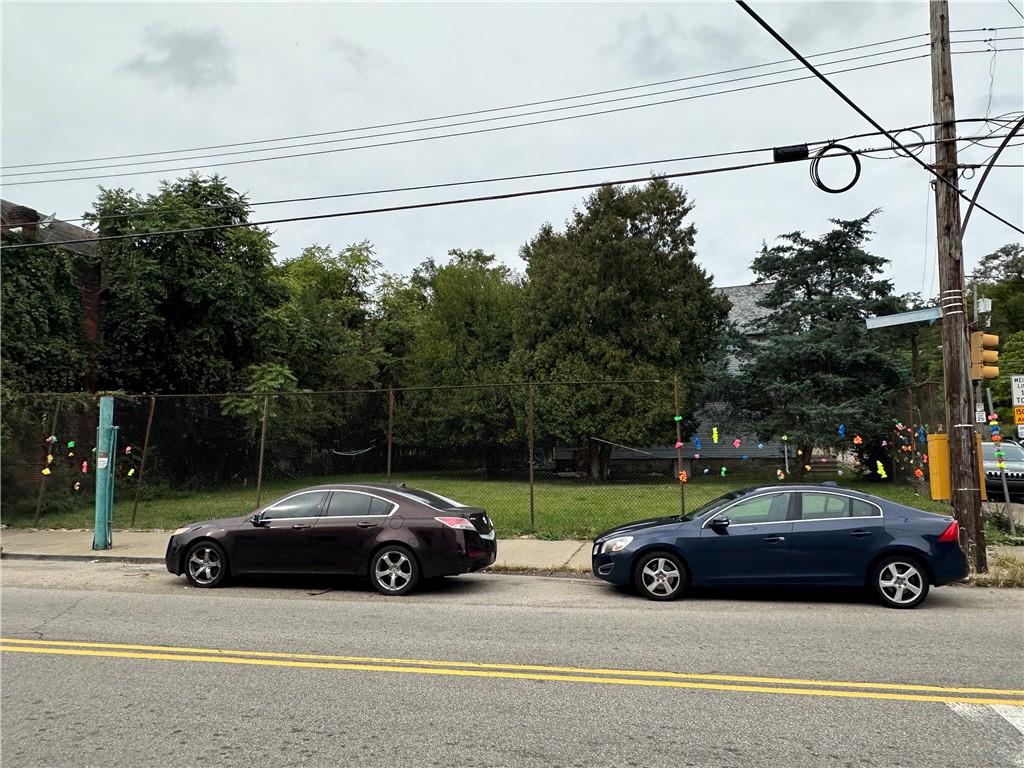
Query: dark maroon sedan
pixel 393 534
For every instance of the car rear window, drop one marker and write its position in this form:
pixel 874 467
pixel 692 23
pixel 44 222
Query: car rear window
pixel 430 499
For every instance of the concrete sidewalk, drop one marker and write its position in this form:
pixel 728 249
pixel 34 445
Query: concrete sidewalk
pixel 149 546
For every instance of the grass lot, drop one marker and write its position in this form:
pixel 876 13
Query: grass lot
pixel 563 508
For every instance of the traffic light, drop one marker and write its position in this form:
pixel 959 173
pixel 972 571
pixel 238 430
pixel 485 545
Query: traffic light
pixel 984 356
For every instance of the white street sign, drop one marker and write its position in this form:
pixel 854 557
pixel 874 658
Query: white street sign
pixel 1020 431
pixel 979 413
pixel 1017 389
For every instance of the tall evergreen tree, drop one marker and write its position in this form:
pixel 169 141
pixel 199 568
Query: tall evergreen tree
pixel 617 295
pixel 818 367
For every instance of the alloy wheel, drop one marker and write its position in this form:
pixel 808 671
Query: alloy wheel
pixel 205 565
pixel 900 582
pixel 661 577
pixel 393 571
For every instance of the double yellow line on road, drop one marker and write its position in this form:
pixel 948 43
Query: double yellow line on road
pixel 599 676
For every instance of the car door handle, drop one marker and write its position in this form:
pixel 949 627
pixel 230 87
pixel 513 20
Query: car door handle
pixel 365 524
pixel 300 526
pixel 858 534
pixel 774 539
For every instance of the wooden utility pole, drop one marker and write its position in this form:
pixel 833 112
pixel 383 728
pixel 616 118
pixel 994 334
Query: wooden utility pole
pixel 963 458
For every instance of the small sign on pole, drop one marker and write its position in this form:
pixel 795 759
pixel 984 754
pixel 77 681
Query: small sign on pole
pixel 979 413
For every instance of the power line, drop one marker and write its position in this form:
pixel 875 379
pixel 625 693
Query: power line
pixel 471 132
pixel 395 208
pixel 1015 9
pixel 411 206
pixel 517 177
pixel 508 107
pixel 835 89
pixel 464 122
pixel 482 120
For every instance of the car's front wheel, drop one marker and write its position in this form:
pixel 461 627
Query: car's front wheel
pixel 900 582
pixel 206 564
pixel 394 570
pixel 660 576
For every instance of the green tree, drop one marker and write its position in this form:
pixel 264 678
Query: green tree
pixel 617 295
pixel 43 346
pixel 461 334
pixel 321 331
pixel 817 366
pixel 1000 277
pixel 182 312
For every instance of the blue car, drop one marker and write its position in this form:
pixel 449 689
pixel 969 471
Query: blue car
pixel 787 535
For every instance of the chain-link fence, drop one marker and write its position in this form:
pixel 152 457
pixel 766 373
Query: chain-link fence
pixel 554 459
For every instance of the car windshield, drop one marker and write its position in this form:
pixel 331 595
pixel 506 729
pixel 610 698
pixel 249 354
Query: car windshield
pixel 714 503
pixel 1013 452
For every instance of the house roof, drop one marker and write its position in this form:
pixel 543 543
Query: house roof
pixel 745 309
pixel 13 215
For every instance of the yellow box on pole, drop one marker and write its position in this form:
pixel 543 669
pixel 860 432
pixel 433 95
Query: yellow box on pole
pixel 939 482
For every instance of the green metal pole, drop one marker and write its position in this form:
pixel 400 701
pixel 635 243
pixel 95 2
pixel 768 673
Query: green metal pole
pixel 104 474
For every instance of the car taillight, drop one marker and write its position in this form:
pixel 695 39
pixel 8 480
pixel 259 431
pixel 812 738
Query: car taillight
pixel 952 533
pixel 456 522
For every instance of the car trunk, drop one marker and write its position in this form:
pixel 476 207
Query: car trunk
pixel 478 517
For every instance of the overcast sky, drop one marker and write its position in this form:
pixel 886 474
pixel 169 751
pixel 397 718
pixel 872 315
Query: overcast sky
pixel 91 80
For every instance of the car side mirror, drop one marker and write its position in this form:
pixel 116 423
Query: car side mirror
pixel 720 523
pixel 258 521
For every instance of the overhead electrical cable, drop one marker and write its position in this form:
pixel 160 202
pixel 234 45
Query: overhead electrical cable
pixel 407 207
pixel 478 121
pixel 459 133
pixel 516 177
pixel 835 89
pixel 508 107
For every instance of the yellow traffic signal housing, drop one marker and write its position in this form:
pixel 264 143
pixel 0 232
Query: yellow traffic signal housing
pixel 984 356
pixel 939 480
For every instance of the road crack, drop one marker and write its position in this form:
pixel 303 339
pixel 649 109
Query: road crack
pixel 38 630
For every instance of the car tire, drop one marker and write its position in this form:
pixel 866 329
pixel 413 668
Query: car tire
pixel 660 576
pixel 900 581
pixel 394 570
pixel 206 565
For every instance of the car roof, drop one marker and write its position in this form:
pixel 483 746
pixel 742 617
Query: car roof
pixel 828 485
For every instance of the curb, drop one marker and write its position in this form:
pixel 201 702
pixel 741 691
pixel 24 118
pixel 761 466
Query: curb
pixel 80 558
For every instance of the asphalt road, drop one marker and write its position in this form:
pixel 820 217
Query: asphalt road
pixel 123 665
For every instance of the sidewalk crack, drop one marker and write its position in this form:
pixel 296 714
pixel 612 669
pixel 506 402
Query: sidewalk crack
pixel 574 553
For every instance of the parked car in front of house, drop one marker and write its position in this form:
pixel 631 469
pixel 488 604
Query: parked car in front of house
pixel 393 535
pixel 796 535
pixel 1014 460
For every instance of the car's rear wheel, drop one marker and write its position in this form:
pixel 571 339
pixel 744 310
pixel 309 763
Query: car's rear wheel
pixel 206 564
pixel 394 570
pixel 900 581
pixel 660 576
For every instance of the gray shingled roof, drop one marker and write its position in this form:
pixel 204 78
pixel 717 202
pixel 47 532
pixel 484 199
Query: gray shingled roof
pixel 745 310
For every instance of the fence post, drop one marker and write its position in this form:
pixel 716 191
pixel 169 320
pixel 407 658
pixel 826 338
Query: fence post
pixel 263 443
pixel 142 464
pixel 391 418
pixel 49 452
pixel 679 450
pixel 910 406
pixel 529 443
